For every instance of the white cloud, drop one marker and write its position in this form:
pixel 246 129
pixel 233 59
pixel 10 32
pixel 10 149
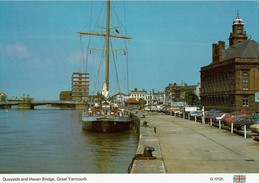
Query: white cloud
pixel 17 50
pixel 17 53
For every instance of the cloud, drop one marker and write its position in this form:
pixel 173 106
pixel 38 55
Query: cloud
pixel 16 50
pixel 17 53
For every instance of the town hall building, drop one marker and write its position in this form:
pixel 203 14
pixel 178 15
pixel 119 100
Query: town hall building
pixel 231 81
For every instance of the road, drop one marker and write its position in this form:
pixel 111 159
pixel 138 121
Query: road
pixel 191 147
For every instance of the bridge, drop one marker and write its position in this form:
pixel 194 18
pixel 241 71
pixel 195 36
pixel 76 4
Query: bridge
pixel 29 103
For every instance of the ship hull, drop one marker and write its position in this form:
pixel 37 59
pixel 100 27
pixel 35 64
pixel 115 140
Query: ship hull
pixel 109 124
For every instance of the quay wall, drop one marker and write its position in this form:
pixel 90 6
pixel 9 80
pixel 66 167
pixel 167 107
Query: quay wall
pixel 147 138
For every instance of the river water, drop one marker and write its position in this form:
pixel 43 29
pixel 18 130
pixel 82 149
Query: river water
pixel 50 140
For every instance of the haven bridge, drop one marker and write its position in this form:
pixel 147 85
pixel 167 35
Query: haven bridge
pixel 28 103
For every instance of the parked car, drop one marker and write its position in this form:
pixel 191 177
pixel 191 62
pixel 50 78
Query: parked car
pixel 217 115
pixel 255 126
pixel 247 120
pixel 196 113
pixel 231 117
pixel 221 116
pixel 173 109
pixel 178 112
pixel 210 114
pixel 164 109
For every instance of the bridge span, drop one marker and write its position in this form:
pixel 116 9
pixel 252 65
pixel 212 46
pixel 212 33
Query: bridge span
pixel 28 103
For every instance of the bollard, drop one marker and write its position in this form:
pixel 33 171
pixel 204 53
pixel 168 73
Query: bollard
pixel 219 124
pixel 245 131
pixel 203 116
pixel 203 119
pixel 145 124
pixel 195 118
pixel 232 127
pixel 210 122
pixel 148 151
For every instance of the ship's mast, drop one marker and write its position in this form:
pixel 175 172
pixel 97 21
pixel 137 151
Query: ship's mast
pixel 107 36
pixel 107 44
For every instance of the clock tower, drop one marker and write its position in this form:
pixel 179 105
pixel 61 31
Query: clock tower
pixel 238 34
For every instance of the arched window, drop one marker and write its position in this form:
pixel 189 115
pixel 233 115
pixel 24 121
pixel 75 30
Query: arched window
pixel 245 81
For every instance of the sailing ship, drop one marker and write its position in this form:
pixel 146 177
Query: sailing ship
pixel 105 116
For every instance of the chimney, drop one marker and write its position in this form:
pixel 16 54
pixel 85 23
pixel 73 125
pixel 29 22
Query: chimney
pixel 221 48
pixel 214 52
pixel 217 50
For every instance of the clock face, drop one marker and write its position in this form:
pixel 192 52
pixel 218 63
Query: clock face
pixel 239 29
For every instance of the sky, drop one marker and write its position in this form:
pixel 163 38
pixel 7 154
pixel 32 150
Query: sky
pixel 172 40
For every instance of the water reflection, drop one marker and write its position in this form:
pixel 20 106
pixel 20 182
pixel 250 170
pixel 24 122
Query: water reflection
pixel 112 150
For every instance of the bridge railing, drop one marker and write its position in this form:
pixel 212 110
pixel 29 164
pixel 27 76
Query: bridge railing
pixel 55 102
pixel 8 103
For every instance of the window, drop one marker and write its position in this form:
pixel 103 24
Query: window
pixel 245 101
pixel 245 81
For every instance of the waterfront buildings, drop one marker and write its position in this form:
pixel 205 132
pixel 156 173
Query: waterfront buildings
pixel 120 98
pixel 176 94
pixel 156 98
pixel 151 98
pixel 231 81
pixel 138 94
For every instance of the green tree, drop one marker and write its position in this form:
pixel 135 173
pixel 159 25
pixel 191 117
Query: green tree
pixel 191 98
pixel 142 103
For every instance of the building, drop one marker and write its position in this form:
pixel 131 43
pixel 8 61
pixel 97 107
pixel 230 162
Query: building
pixel 231 81
pixel 139 94
pixel 65 95
pixel 176 94
pixel 156 98
pixel 3 97
pixel 120 98
pixel 80 86
pixel 135 96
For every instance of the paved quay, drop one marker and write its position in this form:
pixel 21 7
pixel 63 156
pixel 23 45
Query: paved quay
pixel 184 146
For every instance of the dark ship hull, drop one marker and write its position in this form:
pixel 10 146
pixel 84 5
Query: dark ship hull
pixel 106 124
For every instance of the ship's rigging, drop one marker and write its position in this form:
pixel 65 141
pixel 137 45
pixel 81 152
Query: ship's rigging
pixel 108 52
pixel 105 115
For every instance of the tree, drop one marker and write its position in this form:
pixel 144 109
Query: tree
pixel 191 98
pixel 142 103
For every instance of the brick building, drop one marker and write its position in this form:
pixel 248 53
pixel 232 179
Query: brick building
pixel 231 81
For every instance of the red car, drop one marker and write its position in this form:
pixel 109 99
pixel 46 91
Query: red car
pixel 217 115
pixel 231 117
pixel 244 120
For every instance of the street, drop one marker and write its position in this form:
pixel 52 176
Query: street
pixel 191 147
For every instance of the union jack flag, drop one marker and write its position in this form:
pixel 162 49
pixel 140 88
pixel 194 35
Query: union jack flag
pixel 239 179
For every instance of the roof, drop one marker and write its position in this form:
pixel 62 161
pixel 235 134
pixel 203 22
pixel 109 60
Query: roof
pixel 245 49
pixel 132 101
pixel 65 92
pixel 238 21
